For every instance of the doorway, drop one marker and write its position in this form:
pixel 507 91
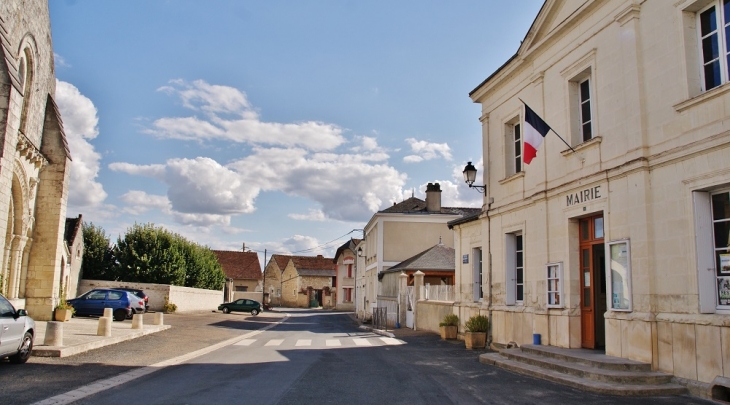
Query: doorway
pixel 593 282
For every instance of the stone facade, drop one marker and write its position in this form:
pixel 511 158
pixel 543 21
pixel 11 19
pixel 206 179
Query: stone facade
pixel 619 240
pixel 301 280
pixel 34 162
pixel 346 265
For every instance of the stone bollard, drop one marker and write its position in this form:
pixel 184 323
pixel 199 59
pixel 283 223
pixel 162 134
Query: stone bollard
pixel 105 327
pixel 158 319
pixel 54 334
pixel 108 313
pixel 138 321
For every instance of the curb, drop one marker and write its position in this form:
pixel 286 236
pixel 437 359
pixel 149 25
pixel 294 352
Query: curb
pixel 377 331
pixel 65 351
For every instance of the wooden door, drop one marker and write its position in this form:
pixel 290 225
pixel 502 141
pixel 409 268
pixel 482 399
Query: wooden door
pixel 590 234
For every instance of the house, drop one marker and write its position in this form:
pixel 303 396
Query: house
pixel 617 239
pixel 436 263
pixel 74 253
pixel 399 232
pixel 242 269
pixel 346 268
pixel 301 281
pixel 35 161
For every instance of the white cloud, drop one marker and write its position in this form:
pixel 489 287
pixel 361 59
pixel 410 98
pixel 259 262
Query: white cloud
pixel 241 122
pixel 312 215
pixel 80 125
pixel 423 150
pixel 60 61
pixel 139 202
pixel 156 171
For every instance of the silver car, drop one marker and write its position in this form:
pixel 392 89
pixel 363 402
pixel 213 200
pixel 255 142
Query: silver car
pixel 16 332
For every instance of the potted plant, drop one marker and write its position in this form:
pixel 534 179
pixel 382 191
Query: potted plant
pixel 449 326
pixel 476 332
pixel 169 307
pixel 63 310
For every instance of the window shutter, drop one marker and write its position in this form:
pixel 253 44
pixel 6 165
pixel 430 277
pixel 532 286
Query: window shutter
pixel 476 261
pixel 704 250
pixel 510 247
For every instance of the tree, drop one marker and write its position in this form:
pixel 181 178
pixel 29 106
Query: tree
pixel 98 262
pixel 152 254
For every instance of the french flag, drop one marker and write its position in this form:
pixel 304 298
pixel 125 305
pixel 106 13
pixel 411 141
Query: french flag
pixel 535 131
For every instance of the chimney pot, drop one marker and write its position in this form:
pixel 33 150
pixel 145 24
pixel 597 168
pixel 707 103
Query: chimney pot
pixel 433 197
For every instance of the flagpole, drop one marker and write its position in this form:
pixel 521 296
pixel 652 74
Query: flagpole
pixel 551 128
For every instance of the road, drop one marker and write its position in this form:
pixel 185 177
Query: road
pixel 310 357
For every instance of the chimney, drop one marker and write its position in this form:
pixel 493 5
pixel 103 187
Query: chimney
pixel 433 197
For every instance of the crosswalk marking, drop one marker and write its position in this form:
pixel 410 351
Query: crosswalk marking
pixel 391 341
pixel 356 341
pixel 362 342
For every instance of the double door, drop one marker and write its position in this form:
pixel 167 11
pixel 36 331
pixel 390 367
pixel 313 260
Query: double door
pixel 592 282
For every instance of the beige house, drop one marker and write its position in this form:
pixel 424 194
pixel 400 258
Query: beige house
pixel 300 281
pixel 620 241
pixel 242 269
pixel 346 268
pixel 34 161
pixel 400 232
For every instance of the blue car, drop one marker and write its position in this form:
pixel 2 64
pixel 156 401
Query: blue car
pixel 93 303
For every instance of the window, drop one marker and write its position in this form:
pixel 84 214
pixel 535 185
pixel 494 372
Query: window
pixel 554 285
pixel 585 110
pixel 514 268
pixel 478 292
pixel 721 246
pixel 242 288
pixel 513 147
pixel 349 271
pixel 714 25
pixel 348 295
pixel 620 275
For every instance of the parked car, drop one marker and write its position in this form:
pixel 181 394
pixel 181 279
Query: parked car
pixel 242 305
pixel 140 294
pixel 16 332
pixel 93 303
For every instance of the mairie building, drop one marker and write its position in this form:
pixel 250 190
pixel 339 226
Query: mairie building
pixel 614 237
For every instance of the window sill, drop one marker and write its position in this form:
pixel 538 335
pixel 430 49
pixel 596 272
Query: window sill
pixel 512 177
pixel 587 144
pixel 707 95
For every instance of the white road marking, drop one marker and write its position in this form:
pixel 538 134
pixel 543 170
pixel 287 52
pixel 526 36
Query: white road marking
pixel 392 341
pixel 333 343
pixel 304 342
pixel 362 342
pixel 245 342
pixel 274 342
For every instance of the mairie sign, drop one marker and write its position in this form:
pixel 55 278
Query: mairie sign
pixel 583 196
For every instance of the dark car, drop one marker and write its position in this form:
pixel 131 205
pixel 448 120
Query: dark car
pixel 140 294
pixel 242 305
pixel 93 303
pixel 16 332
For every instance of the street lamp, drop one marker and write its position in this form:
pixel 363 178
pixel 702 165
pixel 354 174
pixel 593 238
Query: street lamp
pixel 470 174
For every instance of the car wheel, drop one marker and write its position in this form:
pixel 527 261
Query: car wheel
pixel 120 315
pixel 226 310
pixel 26 347
pixel 254 312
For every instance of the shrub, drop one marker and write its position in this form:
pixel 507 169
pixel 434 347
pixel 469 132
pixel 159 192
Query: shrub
pixel 477 323
pixel 450 320
pixel 62 304
pixel 169 307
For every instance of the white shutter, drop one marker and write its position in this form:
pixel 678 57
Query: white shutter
pixel 476 261
pixel 706 278
pixel 510 264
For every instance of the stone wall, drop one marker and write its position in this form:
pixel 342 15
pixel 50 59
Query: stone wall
pixel 187 299
pixel 430 313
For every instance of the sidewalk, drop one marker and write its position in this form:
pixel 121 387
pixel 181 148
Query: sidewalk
pixel 79 335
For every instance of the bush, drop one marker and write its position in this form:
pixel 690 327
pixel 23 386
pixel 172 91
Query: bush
pixel 477 323
pixel 450 320
pixel 169 307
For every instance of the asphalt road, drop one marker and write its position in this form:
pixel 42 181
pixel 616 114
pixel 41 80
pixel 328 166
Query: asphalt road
pixel 313 357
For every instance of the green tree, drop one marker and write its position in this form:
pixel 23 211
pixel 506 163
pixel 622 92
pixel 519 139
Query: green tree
pixel 152 254
pixel 98 261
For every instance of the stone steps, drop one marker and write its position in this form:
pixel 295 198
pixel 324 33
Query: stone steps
pixel 585 369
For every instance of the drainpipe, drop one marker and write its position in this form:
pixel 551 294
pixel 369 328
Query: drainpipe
pixel 489 254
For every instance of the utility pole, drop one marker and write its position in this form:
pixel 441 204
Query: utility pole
pixel 263 287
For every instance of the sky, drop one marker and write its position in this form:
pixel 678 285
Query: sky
pixel 281 125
